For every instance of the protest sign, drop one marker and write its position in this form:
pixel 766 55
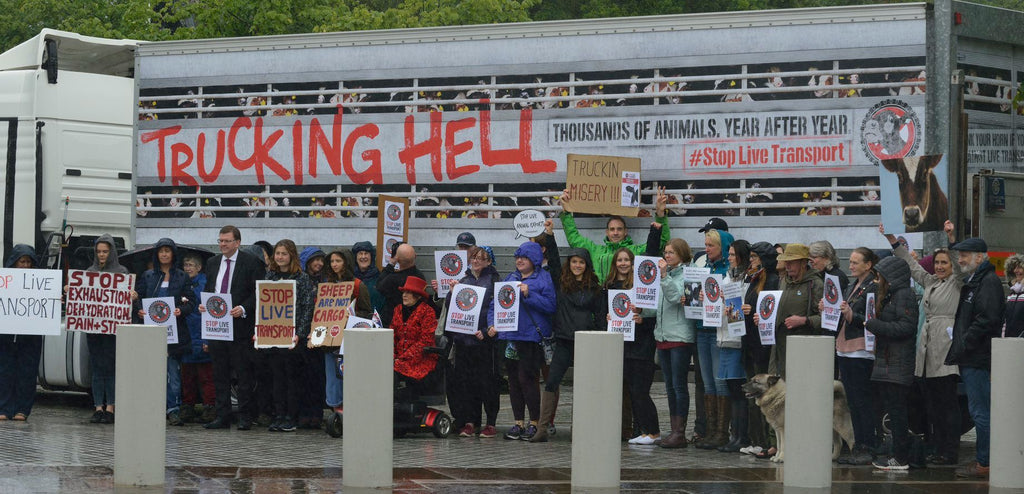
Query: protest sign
pixel 30 301
pixel 98 302
pixel 693 283
pixel 712 301
pixel 331 313
pixel 732 293
pixel 160 312
pixel 218 325
pixel 767 308
pixel 506 306
pixel 450 266
pixel 392 225
pixel 275 314
pixel 869 314
pixel 620 310
pixel 831 300
pixel 464 313
pixel 914 193
pixel 602 184
pixel 646 282
pixel 529 223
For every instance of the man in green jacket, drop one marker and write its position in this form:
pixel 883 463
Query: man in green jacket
pixel 616 235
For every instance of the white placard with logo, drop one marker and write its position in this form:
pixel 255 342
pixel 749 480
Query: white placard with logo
pixel 394 219
pixel 869 314
pixel 506 306
pixel 450 266
pixel 646 282
pixel 732 308
pixel 831 300
pixel 464 310
pixel 712 288
pixel 767 308
pixel 218 325
pixel 620 312
pixel 693 286
pixel 160 312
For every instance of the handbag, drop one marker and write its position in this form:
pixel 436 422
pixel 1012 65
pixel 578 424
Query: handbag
pixel 546 343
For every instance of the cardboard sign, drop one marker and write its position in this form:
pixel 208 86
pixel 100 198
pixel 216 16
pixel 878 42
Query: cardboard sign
pixel 392 225
pixel 331 313
pixel 767 308
pixel 693 286
pixel 713 297
pixel 160 312
pixel 450 266
pixel 733 308
pixel 869 314
pixel 602 184
pixel 620 312
pixel 217 323
pixel 831 300
pixel 646 282
pixel 275 314
pixel 464 312
pixel 506 306
pixel 30 301
pixel 99 302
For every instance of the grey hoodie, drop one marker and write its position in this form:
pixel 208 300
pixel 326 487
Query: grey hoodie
pixel 112 265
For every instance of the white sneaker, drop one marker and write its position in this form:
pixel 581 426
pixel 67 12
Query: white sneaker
pixel 751 450
pixel 636 439
pixel 645 440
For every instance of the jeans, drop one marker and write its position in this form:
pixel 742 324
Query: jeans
pixel 173 384
pixel 855 373
pixel 102 356
pixel 707 351
pixel 335 385
pixel 978 383
pixel 675 365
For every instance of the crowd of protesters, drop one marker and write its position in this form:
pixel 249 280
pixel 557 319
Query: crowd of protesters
pixel 883 349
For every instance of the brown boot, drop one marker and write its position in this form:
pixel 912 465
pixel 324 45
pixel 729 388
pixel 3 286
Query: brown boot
pixel 677 438
pixel 711 410
pixel 722 417
pixel 548 401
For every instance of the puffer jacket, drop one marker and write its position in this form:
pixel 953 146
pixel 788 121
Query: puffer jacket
pixel 178 287
pixel 672 324
pixel 601 254
pixel 305 295
pixel 579 310
pixel 895 326
pixel 537 307
pixel 979 318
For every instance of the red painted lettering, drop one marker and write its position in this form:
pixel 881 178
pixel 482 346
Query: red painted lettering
pixel 297 152
pixel 318 141
pixel 211 176
pixel 413 150
pixel 179 175
pixel 452 149
pixel 522 156
pixel 372 173
pixel 160 136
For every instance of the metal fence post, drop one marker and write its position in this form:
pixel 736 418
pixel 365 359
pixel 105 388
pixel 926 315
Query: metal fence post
pixel 808 434
pixel 367 450
pixel 140 388
pixel 596 421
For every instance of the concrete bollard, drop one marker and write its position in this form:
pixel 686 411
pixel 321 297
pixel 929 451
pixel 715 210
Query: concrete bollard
pixel 1007 433
pixel 140 389
pixel 596 421
pixel 367 451
pixel 808 447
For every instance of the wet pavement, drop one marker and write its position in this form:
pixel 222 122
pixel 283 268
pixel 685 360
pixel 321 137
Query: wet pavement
pixel 58 451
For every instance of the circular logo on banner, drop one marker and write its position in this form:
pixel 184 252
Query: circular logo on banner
pixel 159 311
pixel 767 307
pixel 217 307
pixel 506 297
pixel 711 290
pixel 388 246
pixel 394 212
pixel 466 299
pixel 647 271
pixel 335 331
pixel 890 129
pixel 620 305
pixel 361 324
pixel 831 291
pixel 317 336
pixel 451 264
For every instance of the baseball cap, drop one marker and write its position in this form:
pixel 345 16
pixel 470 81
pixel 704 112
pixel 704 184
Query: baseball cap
pixel 715 224
pixel 466 238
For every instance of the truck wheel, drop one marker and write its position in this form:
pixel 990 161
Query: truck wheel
pixel 442 426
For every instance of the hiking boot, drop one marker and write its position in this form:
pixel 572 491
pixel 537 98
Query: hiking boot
pixel 488 432
pixel 516 432
pixel 972 471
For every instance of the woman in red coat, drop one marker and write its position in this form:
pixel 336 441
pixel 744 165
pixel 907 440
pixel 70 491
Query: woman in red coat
pixel 414 323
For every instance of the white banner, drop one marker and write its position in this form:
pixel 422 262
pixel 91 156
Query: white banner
pixel 450 266
pixel 30 301
pixel 99 302
pixel 646 282
pixel 869 314
pixel 394 220
pixel 831 300
pixel 733 308
pixel 767 308
pixel 464 312
pixel 506 306
pixel 218 325
pixel 160 312
pixel 712 301
pixel 693 286
pixel 620 312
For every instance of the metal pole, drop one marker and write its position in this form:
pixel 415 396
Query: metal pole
pixel 367 451
pixel 597 399
pixel 1007 433
pixel 808 435
pixel 140 385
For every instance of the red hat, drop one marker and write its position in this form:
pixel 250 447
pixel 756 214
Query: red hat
pixel 415 285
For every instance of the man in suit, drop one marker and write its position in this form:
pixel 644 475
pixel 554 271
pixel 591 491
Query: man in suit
pixel 234 272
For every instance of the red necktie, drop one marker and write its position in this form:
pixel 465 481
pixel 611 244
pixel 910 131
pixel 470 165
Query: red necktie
pixel 225 282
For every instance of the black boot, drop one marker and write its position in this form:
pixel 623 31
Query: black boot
pixel 739 437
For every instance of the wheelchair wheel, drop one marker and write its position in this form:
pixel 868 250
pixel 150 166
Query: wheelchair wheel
pixel 334 425
pixel 442 426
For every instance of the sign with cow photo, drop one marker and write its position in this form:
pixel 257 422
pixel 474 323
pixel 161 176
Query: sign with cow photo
pixel 914 193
